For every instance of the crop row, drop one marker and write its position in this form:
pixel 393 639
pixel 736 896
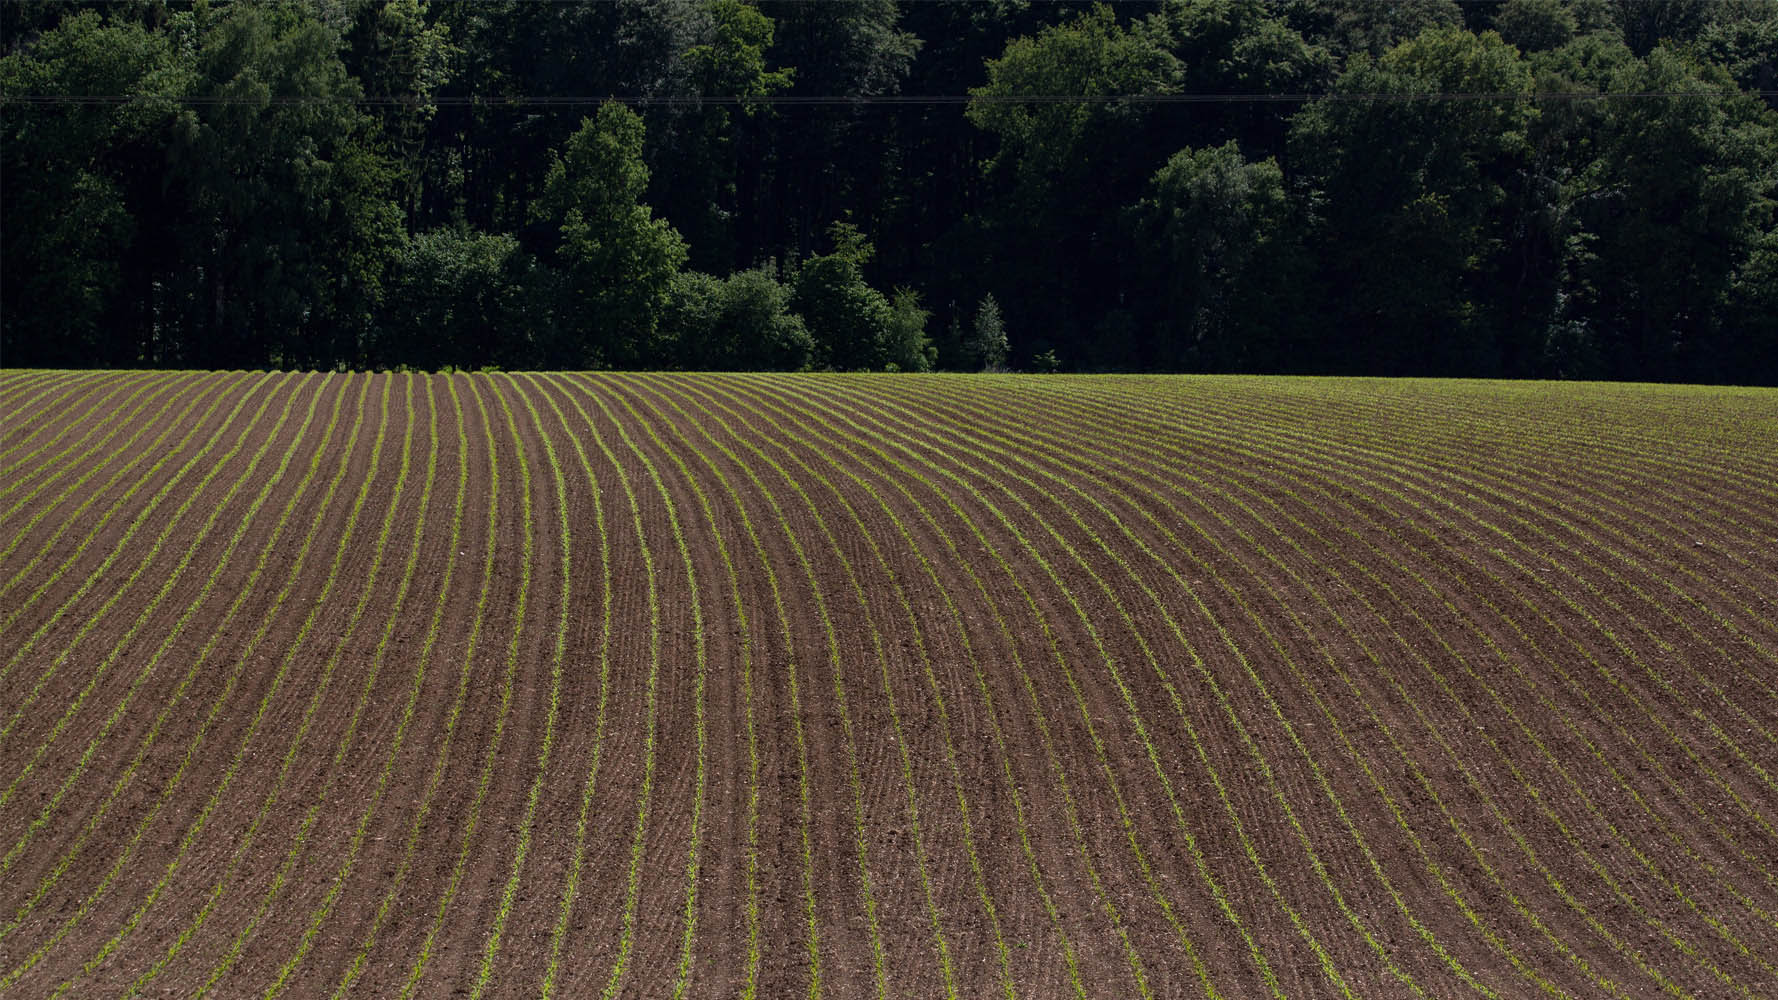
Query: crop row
pixel 837 685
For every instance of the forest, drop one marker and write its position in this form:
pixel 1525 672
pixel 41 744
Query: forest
pixel 1579 189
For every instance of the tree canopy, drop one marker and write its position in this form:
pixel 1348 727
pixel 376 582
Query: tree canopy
pixel 1532 188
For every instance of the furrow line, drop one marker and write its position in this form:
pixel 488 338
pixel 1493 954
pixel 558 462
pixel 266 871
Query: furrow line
pixel 418 969
pixel 142 518
pixel 77 516
pixel 378 551
pixel 324 910
pixel 865 438
pixel 172 578
pixel 111 422
pixel 410 846
pixel 941 944
pixel 60 417
pixel 92 898
pixel 484 975
pixel 218 796
pixel 644 799
pixel 694 854
pixel 571 884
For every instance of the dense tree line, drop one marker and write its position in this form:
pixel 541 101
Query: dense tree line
pixel 1552 188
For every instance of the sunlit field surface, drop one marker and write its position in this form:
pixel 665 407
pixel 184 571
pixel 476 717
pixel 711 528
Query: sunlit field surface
pixel 893 686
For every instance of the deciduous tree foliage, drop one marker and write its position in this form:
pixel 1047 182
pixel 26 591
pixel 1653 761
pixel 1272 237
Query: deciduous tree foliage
pixel 1573 188
pixel 616 260
pixel 1223 242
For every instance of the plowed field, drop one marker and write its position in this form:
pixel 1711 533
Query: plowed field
pixel 853 686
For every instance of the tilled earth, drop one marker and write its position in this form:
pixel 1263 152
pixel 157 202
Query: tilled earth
pixel 848 686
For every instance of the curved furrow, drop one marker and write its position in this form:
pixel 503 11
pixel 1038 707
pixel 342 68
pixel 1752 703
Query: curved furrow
pixel 694 859
pixel 238 846
pixel 1557 453
pixel 710 665
pixel 571 883
pixel 848 740
pixel 98 672
pixel 20 395
pixel 1573 474
pixel 353 853
pixel 1612 646
pixel 112 422
pixel 107 450
pixel 558 653
pixel 48 680
pixel 1600 815
pixel 398 882
pixel 737 508
pixel 101 894
pixel 190 855
pixel 644 803
pixel 1046 573
pixel 143 517
pixel 1510 487
pixel 948 962
pixel 1681 710
pixel 170 702
pixel 856 693
pixel 151 665
pixel 1023 442
pixel 992 469
pixel 1201 487
pixel 1580 737
pixel 1483 682
pixel 57 417
pixel 471 825
pixel 935 687
pixel 1453 551
pixel 67 521
pixel 957 561
pixel 1600 418
pixel 885 685
pixel 336 768
pixel 610 399
pixel 744 661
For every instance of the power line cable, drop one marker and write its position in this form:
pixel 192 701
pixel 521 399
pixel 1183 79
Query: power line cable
pixel 906 100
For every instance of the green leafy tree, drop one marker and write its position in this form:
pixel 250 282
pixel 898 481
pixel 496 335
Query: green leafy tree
pixel 1219 227
pixel 1534 25
pixel 401 55
pixel 700 183
pixel 617 261
pixel 286 223
pixel 1742 38
pixel 1647 23
pixel 498 147
pixel 688 322
pixel 757 324
pixel 825 160
pixel 987 341
pixel 70 233
pixel 1367 27
pixel 1239 47
pixel 1416 193
pixel 1672 205
pixel 848 319
pixel 743 323
pixel 906 347
pixel 1050 147
pixel 1062 170
pixel 463 298
pixel 1747 348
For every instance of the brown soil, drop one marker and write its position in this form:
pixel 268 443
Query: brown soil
pixel 1094 686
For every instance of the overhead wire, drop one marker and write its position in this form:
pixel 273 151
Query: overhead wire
pixel 798 100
